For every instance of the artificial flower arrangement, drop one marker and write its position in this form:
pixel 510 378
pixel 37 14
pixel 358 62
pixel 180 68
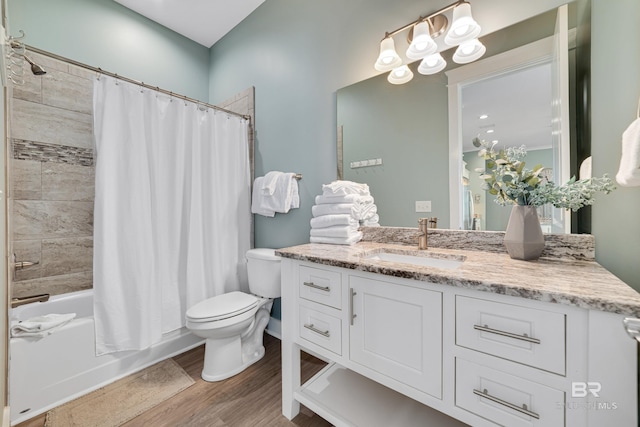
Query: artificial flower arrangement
pixel 507 178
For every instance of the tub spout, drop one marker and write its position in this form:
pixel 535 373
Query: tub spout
pixel 16 302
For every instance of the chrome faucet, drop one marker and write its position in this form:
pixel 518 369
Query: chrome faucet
pixel 423 226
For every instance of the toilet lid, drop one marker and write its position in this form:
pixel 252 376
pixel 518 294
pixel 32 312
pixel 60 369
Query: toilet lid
pixel 222 306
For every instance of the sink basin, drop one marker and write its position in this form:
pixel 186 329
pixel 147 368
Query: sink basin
pixel 449 263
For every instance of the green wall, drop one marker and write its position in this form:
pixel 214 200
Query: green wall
pixel 297 54
pixel 104 34
pixel 615 86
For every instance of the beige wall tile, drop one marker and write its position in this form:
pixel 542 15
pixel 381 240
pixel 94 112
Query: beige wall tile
pixel 51 219
pixel 54 285
pixel 61 181
pixel 66 255
pixel 42 123
pixel 67 91
pixel 26 183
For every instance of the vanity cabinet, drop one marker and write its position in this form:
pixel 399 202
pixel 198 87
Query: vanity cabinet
pixel 407 352
pixel 396 331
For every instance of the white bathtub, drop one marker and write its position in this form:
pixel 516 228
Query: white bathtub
pixel 46 372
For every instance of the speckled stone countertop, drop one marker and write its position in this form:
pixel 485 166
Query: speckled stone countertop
pixel 578 283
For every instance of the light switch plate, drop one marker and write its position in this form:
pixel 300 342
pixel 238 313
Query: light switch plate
pixel 423 206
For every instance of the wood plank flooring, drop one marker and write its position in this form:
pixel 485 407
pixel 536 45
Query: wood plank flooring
pixel 251 398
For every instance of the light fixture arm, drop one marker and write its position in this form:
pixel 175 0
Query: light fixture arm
pixel 426 18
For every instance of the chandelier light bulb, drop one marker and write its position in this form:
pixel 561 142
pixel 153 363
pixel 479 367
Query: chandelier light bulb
pixel 422 43
pixel 432 64
pixel 469 51
pixel 400 75
pixel 464 27
pixel 388 58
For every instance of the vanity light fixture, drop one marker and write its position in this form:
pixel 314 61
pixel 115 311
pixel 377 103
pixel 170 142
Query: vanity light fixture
pixel 400 75
pixel 463 33
pixel 432 64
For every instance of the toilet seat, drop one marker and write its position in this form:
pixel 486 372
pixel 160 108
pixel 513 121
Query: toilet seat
pixel 222 307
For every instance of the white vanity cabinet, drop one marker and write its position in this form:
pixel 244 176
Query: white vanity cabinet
pixel 406 352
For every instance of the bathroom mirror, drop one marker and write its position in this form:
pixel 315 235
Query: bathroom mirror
pixel 396 138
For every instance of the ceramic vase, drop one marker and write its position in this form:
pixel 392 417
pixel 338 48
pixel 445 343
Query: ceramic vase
pixel 523 238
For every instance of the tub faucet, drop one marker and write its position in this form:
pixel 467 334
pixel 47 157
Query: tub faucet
pixel 17 302
pixel 423 225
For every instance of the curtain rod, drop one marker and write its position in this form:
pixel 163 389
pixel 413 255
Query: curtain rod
pixel 136 82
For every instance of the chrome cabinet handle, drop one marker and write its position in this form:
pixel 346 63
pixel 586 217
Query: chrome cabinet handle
pixel 314 286
pixel 317 331
pixel 523 337
pixel 352 293
pixel 522 409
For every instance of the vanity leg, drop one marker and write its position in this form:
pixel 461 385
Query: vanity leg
pixel 290 378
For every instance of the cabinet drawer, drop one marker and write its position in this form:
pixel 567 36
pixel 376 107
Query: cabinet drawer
pixel 506 399
pixel 322 286
pixel 529 336
pixel 321 329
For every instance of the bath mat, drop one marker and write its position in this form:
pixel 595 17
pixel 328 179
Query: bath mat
pixel 124 399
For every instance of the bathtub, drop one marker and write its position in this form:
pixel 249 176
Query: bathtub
pixel 46 372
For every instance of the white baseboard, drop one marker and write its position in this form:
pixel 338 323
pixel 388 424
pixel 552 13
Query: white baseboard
pixel 274 328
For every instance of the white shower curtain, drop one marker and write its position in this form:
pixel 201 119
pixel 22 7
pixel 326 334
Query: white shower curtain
pixel 172 211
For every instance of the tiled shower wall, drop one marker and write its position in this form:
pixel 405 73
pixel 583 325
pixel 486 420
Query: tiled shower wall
pixel 51 177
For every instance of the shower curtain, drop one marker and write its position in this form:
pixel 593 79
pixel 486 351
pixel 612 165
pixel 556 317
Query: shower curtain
pixel 172 211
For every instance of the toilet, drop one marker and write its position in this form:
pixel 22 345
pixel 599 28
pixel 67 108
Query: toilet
pixel 233 323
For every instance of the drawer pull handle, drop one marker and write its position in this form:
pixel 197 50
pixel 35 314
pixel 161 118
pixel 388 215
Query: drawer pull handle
pixel 522 409
pixel 523 337
pixel 317 331
pixel 314 286
pixel 352 293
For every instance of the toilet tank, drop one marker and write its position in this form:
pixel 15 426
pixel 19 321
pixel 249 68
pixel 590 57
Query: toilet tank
pixel 263 269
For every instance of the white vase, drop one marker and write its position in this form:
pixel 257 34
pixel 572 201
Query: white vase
pixel 523 238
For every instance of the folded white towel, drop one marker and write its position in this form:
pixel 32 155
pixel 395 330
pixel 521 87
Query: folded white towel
pixel 40 326
pixel 337 188
pixel 373 221
pixel 332 220
pixel 269 182
pixel 629 173
pixel 257 197
pixel 332 209
pixel 344 198
pixel 355 238
pixel 344 231
pixel 365 212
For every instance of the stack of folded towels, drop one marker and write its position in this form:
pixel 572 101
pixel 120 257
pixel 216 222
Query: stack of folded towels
pixel 274 192
pixel 340 210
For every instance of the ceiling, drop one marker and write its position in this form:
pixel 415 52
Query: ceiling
pixel 203 21
pixel 518 106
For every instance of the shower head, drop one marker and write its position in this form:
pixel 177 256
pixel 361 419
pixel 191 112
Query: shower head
pixel 35 68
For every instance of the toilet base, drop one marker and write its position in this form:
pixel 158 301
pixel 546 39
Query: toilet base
pixel 221 365
pixel 226 357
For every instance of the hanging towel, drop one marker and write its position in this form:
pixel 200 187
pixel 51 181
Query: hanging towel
pixel 257 197
pixel 629 173
pixel 342 188
pixel 344 231
pixel 332 220
pixel 269 182
pixel 355 238
pixel 40 326
pixel 332 209
pixel 284 197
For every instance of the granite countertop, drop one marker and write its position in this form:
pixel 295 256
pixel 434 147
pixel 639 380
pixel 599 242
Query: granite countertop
pixel 579 283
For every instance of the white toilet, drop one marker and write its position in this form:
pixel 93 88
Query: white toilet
pixel 233 323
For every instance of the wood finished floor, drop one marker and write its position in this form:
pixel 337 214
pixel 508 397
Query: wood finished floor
pixel 251 398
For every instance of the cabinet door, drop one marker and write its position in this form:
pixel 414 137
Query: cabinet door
pixel 397 331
